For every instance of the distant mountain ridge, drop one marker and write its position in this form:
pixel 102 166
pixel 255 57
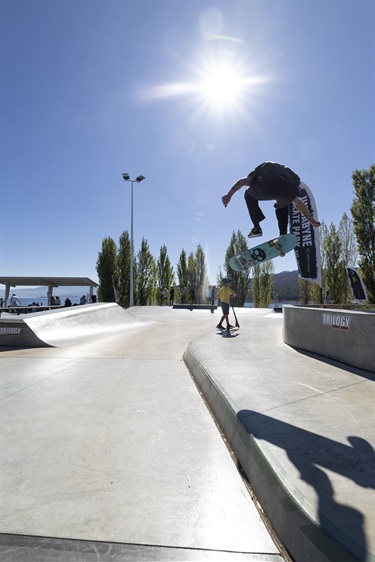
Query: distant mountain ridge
pixel 286 285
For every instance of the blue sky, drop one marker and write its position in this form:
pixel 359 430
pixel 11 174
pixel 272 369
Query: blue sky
pixel 192 95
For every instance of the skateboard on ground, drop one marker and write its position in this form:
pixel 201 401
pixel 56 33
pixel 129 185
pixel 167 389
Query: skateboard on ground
pixel 263 252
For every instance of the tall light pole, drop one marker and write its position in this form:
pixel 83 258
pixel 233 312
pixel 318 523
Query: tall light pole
pixel 138 179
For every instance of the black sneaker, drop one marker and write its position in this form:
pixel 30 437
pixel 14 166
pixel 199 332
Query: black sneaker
pixel 220 327
pixel 257 231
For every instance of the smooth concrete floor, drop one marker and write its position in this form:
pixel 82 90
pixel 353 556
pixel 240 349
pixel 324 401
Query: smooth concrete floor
pixel 108 452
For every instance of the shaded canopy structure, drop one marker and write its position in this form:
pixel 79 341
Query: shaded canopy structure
pixel 50 282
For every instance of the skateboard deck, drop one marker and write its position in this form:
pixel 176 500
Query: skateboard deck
pixel 263 252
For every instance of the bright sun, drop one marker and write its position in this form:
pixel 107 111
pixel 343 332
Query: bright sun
pixel 221 87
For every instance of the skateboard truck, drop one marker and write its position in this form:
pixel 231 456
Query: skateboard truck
pixel 276 244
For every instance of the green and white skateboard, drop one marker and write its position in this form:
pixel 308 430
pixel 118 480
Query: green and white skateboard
pixel 263 252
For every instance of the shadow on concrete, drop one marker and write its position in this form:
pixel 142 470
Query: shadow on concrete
pixel 370 375
pixel 228 334
pixel 310 453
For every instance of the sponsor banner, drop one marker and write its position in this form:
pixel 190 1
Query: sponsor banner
pixel 307 251
pixel 339 321
pixel 357 285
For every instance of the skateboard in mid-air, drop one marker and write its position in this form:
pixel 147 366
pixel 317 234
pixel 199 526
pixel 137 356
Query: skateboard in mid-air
pixel 263 252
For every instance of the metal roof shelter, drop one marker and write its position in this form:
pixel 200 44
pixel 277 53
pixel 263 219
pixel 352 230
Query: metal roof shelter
pixel 49 282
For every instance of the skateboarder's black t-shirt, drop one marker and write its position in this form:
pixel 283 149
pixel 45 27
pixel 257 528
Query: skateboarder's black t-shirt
pixel 271 180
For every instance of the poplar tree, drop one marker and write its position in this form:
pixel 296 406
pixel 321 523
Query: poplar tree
pixel 305 290
pixel 349 253
pixel 123 261
pixel 240 280
pixel 107 270
pixel 182 269
pixel 262 284
pixel 333 262
pixel 146 276
pixel 363 212
pixel 165 273
pixel 309 289
pixel 336 274
pixel 201 271
pixel 192 281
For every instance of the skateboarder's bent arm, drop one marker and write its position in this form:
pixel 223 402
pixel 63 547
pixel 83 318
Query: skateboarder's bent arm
pixel 238 185
pixel 304 211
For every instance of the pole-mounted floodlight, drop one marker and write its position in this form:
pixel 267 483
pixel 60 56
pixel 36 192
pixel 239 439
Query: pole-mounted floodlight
pixel 138 179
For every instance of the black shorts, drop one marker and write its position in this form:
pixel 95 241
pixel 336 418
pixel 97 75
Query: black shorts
pixel 225 307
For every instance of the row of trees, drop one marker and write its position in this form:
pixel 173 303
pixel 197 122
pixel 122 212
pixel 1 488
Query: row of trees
pixel 151 275
pixel 349 244
pixel 338 250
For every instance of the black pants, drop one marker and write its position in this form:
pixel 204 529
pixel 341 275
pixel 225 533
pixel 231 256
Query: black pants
pixel 283 192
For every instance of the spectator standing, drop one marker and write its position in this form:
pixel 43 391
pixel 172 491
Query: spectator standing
pixel 165 296
pixel 224 295
pixel 192 295
pixel 171 296
pixel 183 295
pixel 15 301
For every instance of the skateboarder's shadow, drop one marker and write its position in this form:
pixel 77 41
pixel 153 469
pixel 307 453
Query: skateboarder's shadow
pixel 310 453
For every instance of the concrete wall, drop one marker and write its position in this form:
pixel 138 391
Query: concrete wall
pixel 344 335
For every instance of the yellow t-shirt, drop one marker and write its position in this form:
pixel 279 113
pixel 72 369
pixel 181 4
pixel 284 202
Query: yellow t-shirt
pixel 224 294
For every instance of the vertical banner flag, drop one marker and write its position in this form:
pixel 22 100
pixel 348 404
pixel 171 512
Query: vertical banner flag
pixel 356 282
pixel 307 250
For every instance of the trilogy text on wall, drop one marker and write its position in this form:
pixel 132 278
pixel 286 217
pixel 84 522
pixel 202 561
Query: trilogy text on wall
pixel 8 331
pixel 336 321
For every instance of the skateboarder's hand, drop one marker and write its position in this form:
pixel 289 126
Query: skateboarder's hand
pixel 225 199
pixel 315 223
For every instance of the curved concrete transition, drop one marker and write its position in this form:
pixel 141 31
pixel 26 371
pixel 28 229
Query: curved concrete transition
pixel 65 326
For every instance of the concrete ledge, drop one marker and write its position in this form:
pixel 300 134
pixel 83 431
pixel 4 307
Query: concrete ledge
pixel 343 335
pixel 190 307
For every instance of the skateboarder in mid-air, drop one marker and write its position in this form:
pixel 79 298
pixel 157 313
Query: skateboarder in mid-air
pixel 266 182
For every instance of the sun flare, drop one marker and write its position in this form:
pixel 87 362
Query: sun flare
pixel 221 87
pixel 216 85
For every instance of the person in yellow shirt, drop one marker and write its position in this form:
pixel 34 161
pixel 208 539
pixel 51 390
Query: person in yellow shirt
pixel 224 294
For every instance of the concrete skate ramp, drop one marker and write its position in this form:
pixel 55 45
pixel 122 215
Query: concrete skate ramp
pixel 65 326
